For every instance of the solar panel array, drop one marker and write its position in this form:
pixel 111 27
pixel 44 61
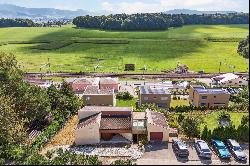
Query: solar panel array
pixel 150 90
pixel 212 91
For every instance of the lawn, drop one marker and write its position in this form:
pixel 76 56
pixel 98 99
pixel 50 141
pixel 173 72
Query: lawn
pixel 70 49
pixel 211 119
pixel 175 103
pixel 126 103
pixel 212 123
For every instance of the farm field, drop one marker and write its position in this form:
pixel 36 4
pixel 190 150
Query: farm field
pixel 68 49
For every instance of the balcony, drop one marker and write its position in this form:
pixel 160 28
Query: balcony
pixel 139 126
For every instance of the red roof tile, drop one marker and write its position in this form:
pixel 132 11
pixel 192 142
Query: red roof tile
pixel 115 123
pixel 156 118
pixel 88 120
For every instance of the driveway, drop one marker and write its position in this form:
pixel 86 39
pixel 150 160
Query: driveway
pixel 162 154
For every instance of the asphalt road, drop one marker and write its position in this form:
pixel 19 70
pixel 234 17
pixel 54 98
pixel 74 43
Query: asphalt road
pixel 162 154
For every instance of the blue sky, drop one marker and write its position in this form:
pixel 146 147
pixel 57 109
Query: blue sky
pixel 133 6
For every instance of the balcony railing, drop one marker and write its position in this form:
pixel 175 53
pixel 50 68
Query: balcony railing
pixel 139 125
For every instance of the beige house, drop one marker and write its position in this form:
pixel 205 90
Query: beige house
pixel 229 79
pixel 93 96
pixel 157 127
pixel 103 124
pixel 154 95
pixel 210 97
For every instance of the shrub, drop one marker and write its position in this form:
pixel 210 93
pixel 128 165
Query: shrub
pixel 180 118
pixel 2 161
pixel 122 162
pixel 124 96
pixel 143 139
pixel 52 129
pixel 206 134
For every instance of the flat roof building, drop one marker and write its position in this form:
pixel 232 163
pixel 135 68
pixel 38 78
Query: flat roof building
pixel 161 97
pixel 93 96
pixel 208 97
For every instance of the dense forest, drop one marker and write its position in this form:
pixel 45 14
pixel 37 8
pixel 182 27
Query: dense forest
pixel 243 48
pixel 16 23
pixel 29 23
pixel 156 21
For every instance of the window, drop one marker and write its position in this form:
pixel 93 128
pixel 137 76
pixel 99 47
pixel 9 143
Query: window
pixel 240 82
pixel 230 82
pixel 145 98
pixel 203 97
pixel 203 104
pixel 214 96
pixel 220 103
pixel 164 98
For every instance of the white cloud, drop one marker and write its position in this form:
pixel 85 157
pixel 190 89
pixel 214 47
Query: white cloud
pixel 163 5
pixel 135 7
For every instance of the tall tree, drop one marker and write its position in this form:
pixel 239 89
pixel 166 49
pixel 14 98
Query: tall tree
pixel 191 126
pixel 243 48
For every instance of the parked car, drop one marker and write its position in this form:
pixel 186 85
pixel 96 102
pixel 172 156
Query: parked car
pixel 235 149
pixel 180 148
pixel 203 149
pixel 221 149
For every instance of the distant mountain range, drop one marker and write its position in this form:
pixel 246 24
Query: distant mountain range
pixel 13 11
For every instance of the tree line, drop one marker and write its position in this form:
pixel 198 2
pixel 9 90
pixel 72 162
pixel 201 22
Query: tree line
pixel 156 21
pixel 16 22
pixel 29 23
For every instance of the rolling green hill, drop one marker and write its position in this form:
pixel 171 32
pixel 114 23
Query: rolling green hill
pixel 201 47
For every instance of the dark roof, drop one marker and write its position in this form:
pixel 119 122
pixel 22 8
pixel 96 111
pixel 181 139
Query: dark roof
pixel 151 90
pixel 88 120
pixel 156 118
pixel 212 91
pixel 111 123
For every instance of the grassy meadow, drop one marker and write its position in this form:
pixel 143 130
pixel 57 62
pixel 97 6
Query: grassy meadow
pixel 201 47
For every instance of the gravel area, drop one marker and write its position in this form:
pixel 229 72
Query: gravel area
pixel 131 152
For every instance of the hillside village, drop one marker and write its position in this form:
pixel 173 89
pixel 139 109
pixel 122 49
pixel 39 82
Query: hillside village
pixel 145 116
pixel 129 83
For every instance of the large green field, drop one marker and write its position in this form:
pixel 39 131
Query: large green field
pixel 201 47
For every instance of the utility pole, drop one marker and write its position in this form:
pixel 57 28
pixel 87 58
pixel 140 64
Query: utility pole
pixel 220 66
pixel 49 66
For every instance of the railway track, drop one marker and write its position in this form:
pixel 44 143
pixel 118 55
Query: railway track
pixel 128 75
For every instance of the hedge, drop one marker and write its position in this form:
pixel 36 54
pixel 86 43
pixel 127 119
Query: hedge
pixel 47 134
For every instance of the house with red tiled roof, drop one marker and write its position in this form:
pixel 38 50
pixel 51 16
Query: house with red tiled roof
pixel 109 83
pixel 102 123
pixel 79 85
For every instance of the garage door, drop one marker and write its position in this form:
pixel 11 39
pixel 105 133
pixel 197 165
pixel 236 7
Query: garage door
pixel 156 136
